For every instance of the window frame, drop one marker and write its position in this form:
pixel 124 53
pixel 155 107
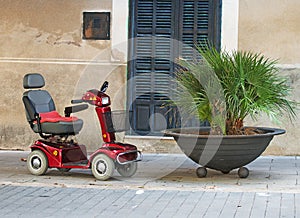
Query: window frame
pixel 144 106
pixel 89 16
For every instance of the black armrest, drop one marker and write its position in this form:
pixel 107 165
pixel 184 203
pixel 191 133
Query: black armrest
pixel 74 109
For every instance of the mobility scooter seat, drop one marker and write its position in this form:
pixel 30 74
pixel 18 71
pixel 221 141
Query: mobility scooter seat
pixel 41 113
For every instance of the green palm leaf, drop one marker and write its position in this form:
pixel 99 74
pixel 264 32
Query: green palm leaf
pixel 247 83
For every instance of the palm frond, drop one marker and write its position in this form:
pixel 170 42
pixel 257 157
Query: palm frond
pixel 247 84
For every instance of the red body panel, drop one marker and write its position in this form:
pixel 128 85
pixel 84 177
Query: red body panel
pixel 107 136
pixel 94 97
pixel 61 155
pixel 112 150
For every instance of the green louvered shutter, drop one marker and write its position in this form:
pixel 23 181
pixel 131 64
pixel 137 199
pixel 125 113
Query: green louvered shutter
pixel 155 27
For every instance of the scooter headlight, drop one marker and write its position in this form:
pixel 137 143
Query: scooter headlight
pixel 105 100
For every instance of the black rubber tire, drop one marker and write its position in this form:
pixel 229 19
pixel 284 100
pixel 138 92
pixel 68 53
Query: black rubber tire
pixel 37 163
pixel 243 172
pixel 102 167
pixel 64 170
pixel 127 170
pixel 201 172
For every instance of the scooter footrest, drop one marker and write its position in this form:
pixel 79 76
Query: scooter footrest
pixel 78 163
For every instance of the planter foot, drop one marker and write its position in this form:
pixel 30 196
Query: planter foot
pixel 243 172
pixel 225 172
pixel 201 172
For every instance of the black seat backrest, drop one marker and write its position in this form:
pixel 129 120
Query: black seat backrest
pixel 36 101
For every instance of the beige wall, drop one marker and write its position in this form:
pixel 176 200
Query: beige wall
pixel 46 37
pixel 48 29
pixel 272 28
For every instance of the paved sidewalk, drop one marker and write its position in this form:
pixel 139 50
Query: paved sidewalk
pixel 164 186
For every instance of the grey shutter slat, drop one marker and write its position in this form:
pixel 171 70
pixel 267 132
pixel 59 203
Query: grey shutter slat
pixel 152 66
pixel 195 25
pixel 144 16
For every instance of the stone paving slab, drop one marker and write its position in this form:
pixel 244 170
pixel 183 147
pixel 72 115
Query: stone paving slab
pixel 164 171
pixel 164 186
pixel 28 201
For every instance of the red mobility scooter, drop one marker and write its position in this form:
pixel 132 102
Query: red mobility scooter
pixel 58 150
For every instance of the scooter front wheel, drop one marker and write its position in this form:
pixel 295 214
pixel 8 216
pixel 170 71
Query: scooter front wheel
pixel 37 163
pixel 127 170
pixel 102 167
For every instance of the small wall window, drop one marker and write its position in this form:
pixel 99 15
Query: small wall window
pixel 96 25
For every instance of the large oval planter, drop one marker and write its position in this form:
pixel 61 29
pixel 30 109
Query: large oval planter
pixel 222 153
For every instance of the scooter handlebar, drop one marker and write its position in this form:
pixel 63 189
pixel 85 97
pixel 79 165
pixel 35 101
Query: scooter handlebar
pixel 76 101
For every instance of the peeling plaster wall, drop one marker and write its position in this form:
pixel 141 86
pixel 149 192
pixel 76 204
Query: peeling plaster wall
pixel 48 29
pixel 46 37
pixel 271 27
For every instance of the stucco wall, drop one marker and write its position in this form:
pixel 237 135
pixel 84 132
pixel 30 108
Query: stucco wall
pixel 271 27
pixel 46 37
pixel 48 29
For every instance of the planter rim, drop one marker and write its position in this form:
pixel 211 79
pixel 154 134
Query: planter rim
pixel 177 132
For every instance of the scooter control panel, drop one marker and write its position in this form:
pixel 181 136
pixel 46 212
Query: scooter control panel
pixel 97 98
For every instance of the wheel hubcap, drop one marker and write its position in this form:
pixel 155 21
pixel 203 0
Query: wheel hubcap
pixel 101 167
pixel 36 162
pixel 126 167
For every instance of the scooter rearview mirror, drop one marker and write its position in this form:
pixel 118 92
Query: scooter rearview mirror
pixel 104 87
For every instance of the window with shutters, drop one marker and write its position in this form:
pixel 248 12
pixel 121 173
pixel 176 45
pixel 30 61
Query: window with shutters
pixel 160 32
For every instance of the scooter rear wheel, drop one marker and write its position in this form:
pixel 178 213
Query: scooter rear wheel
pixel 102 167
pixel 127 170
pixel 37 163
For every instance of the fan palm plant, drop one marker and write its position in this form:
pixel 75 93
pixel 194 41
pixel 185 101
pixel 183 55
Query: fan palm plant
pixel 224 88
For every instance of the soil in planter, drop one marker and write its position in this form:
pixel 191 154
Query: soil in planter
pixel 237 128
pixel 251 131
pixel 242 131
